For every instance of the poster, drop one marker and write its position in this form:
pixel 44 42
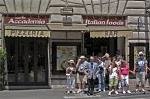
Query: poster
pixel 64 53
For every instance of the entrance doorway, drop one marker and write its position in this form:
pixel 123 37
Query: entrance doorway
pixel 100 46
pixel 135 48
pixel 27 62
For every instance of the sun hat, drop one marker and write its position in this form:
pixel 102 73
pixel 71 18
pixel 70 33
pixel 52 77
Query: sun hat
pixel 141 53
pixel 106 55
pixel 82 57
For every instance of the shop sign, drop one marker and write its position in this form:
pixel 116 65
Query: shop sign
pixel 105 21
pixel 25 20
pixel 26 33
pixel 111 33
pixel 104 34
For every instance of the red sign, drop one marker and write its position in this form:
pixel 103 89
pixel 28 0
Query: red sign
pixel 25 20
pixel 105 21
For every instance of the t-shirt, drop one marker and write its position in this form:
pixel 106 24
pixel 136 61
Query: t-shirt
pixel 141 64
pixel 82 66
pixel 113 74
pixel 70 71
pixel 124 70
pixel 101 67
pixel 118 64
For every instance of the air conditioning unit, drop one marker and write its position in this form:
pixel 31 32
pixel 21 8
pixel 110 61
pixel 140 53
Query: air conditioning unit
pixel 67 21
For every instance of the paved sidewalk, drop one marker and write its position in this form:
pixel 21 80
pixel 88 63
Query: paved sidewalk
pixel 61 94
pixel 105 94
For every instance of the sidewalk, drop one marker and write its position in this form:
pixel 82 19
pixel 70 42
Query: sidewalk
pixel 59 94
pixel 105 94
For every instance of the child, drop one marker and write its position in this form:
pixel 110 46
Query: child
pixel 113 78
pixel 124 74
pixel 118 62
pixel 101 74
pixel 70 73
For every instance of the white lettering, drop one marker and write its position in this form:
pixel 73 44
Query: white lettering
pixel 105 22
pixel 111 33
pixel 22 20
pixel 27 33
pixel 11 21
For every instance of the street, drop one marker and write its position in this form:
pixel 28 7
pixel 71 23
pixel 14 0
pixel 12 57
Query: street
pixel 61 94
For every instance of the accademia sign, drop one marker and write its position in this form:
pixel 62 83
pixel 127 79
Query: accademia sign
pixel 105 21
pixel 25 20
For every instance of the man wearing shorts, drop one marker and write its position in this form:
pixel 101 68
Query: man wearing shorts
pixel 140 69
pixel 81 77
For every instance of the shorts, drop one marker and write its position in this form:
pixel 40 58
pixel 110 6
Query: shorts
pixel 124 80
pixel 140 78
pixel 81 78
pixel 113 82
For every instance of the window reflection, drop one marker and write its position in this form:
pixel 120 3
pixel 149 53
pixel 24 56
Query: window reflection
pixel 41 62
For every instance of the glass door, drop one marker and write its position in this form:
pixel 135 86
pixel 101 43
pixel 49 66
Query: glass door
pixel 27 61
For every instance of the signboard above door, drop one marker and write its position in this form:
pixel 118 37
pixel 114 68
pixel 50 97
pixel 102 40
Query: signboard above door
pixel 22 19
pixel 104 21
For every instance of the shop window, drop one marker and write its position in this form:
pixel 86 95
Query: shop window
pixel 62 52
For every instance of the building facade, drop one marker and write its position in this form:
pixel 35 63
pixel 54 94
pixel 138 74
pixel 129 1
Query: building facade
pixel 39 39
pixel 38 47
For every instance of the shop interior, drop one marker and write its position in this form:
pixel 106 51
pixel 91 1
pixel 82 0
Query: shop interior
pixel 99 46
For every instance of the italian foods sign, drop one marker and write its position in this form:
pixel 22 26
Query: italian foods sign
pixel 104 21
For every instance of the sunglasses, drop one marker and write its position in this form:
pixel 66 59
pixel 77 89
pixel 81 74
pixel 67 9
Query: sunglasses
pixel 141 55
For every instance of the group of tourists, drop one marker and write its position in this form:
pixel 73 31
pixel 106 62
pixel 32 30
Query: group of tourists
pixel 112 73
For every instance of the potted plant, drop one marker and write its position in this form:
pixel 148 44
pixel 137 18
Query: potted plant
pixel 2 68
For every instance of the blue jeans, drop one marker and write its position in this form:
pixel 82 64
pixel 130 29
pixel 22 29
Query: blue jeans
pixel 70 83
pixel 101 81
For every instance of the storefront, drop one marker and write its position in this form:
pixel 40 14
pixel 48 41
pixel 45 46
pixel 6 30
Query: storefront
pixel 107 34
pixel 37 49
pixel 66 43
pixel 26 42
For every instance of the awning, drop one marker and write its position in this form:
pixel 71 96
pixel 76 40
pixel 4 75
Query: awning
pixel 109 31
pixel 108 28
pixel 27 31
pixel 101 34
pixel 73 27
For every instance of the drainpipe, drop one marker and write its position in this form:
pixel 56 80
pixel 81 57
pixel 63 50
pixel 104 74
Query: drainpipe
pixel 147 36
pixel 146 21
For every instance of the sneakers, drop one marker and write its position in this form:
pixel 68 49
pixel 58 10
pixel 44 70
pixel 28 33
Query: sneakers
pixel 128 91
pixel 73 92
pixel 137 90
pixel 109 93
pixel 124 92
pixel 79 91
pixel 143 90
pixel 99 90
pixel 116 92
pixel 68 92
pixel 104 90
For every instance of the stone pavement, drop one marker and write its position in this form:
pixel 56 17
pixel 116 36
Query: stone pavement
pixel 61 94
pixel 105 95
